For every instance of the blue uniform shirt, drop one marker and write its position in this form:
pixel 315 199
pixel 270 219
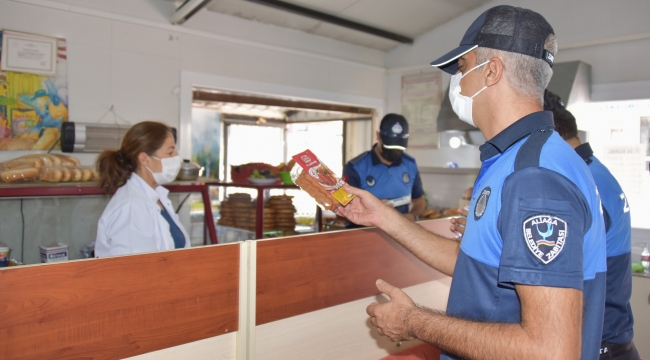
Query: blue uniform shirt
pixel 535 219
pixel 619 322
pixel 401 178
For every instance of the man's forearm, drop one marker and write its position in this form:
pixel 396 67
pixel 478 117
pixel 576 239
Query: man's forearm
pixel 438 252
pixel 477 340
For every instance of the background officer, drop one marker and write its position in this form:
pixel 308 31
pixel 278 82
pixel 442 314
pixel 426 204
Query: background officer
pixel 618 325
pixel 387 172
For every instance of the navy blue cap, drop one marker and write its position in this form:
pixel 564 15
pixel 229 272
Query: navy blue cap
pixel 394 131
pixel 506 28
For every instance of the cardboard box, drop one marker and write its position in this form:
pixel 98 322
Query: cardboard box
pixel 54 253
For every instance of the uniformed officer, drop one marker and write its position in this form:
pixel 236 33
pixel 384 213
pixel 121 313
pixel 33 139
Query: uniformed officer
pixel 618 325
pixel 529 275
pixel 387 172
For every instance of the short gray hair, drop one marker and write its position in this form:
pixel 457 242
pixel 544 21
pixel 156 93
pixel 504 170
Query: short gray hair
pixel 527 75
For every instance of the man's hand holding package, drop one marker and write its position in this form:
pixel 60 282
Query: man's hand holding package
pixel 365 209
pixel 391 318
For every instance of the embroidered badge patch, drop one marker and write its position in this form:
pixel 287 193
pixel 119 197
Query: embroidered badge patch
pixel 481 204
pixel 397 128
pixel 370 180
pixel 406 178
pixel 545 236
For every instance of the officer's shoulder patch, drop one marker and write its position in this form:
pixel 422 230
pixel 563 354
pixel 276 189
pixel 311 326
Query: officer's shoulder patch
pixel 359 158
pixel 545 236
pixel 482 202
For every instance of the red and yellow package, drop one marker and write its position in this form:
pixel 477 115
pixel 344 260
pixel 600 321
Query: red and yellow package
pixel 319 181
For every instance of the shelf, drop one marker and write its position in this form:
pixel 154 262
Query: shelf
pixel 44 189
pixel 449 171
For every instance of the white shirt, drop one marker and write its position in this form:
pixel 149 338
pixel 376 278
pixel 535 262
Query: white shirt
pixel 132 223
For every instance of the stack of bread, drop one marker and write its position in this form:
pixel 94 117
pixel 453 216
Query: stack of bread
pixel 283 211
pixel 430 214
pixel 237 210
pixel 46 167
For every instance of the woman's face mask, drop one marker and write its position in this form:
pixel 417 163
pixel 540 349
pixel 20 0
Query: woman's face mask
pixel 462 104
pixel 170 168
pixel 391 155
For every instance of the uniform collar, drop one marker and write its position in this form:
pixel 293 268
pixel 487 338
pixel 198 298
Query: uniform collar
pixel 376 161
pixel 153 195
pixel 585 152
pixel 515 132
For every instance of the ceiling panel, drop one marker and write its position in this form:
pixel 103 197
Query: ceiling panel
pixel 265 14
pixel 329 6
pixel 406 17
pixel 410 18
pixel 353 37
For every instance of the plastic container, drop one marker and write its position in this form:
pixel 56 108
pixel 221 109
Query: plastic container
pixel 4 254
pixel 56 252
pixel 286 177
pixel 645 259
pixel 227 234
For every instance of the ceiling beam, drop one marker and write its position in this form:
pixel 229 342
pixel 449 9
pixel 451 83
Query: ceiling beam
pixel 187 10
pixel 294 104
pixel 321 16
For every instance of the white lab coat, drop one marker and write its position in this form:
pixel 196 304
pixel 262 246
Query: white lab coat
pixel 132 223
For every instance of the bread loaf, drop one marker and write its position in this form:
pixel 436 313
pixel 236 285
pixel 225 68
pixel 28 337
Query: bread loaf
pixel 24 174
pixel 22 162
pixel 86 174
pixel 76 175
pixel 51 174
pixel 94 175
pixel 67 174
pixel 46 159
pixel 67 160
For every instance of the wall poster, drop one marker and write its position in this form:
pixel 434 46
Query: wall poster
pixel 33 106
pixel 421 99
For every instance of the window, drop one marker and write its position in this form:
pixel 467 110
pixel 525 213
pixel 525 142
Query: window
pixel 253 143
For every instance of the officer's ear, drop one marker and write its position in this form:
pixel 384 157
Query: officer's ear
pixel 493 71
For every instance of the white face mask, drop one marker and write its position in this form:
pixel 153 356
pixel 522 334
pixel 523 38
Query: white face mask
pixel 170 168
pixel 462 104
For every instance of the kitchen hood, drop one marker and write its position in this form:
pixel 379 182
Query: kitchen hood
pixel 571 81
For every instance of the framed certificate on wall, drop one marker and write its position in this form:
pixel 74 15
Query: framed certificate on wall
pixel 28 53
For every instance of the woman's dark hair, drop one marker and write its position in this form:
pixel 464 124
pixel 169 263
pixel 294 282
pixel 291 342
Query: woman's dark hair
pixel 116 166
pixel 565 122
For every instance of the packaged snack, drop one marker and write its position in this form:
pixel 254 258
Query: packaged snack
pixel 54 252
pixel 319 181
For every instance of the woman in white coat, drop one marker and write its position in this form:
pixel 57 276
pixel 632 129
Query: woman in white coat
pixel 140 217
